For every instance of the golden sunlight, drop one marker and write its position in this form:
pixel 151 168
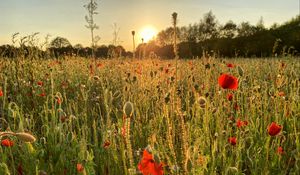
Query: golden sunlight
pixel 148 33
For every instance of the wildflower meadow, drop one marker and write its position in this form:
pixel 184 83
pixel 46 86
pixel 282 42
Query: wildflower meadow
pixel 152 117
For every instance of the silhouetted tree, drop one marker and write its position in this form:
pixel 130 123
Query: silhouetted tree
pixel 165 37
pixel 101 52
pixel 59 42
pixel 260 26
pixel 229 30
pixel 246 29
pixel 208 27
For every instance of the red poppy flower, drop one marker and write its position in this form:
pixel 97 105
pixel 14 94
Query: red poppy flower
pixel 240 123
pixel 99 65
pixel 166 70
pixel 7 143
pixel 1 93
pixel 138 71
pixel 63 118
pixel 40 83
pixel 230 65
pixel 79 167
pixel 43 94
pixel 236 107
pixel 281 94
pixel 228 82
pixel 229 97
pixel 106 144
pixel 280 150
pixel 148 166
pixel 232 140
pixel 274 129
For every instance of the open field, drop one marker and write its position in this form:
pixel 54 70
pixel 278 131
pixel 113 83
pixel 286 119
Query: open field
pixel 189 123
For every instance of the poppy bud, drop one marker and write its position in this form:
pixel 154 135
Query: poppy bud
pixel 96 78
pixel 240 71
pixel 25 137
pixel 128 109
pixel 202 102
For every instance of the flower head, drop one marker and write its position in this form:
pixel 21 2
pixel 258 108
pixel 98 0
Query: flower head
pixel 281 94
pixel 230 65
pixel 280 150
pixel 232 140
pixel 40 83
pixel 79 167
pixel 229 97
pixel 148 166
pixel 7 143
pixel 274 129
pixel 106 144
pixel 240 123
pixel 43 94
pixel 228 82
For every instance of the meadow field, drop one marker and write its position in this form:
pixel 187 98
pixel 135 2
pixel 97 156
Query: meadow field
pixel 128 116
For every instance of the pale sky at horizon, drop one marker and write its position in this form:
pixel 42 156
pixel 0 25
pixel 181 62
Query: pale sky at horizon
pixel 65 18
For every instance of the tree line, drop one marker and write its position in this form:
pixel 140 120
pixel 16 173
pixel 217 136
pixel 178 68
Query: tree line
pixel 208 37
pixel 202 39
pixel 60 47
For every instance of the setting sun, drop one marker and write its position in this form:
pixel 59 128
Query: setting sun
pixel 148 33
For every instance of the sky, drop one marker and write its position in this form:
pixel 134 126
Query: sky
pixel 66 18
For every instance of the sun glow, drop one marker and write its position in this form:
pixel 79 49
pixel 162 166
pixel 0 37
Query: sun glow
pixel 148 33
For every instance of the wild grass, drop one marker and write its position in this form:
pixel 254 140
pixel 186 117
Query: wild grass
pixel 77 116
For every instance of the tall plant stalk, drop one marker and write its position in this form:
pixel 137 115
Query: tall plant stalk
pixel 133 42
pixel 91 25
pixel 174 21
